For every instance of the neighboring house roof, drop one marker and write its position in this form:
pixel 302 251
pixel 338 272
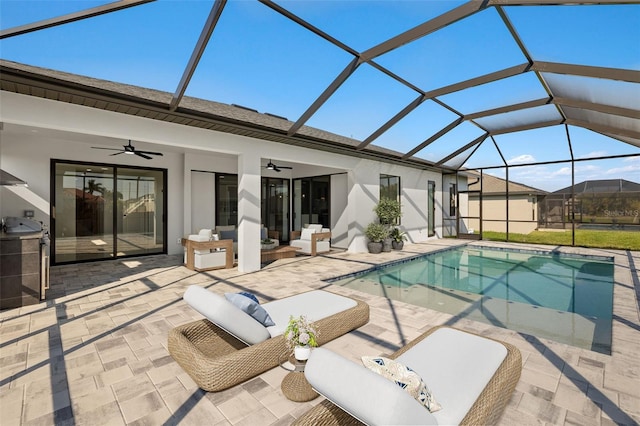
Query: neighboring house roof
pixel 603 185
pixel 493 185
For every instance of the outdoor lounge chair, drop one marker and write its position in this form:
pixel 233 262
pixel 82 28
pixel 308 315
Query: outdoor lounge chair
pixel 312 240
pixel 230 346
pixel 471 376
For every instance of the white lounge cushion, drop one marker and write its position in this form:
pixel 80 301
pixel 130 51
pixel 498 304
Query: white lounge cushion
pixel 224 314
pixel 315 226
pixel 315 305
pixel 209 259
pixel 305 246
pixel 457 366
pixel 362 393
pixel 306 234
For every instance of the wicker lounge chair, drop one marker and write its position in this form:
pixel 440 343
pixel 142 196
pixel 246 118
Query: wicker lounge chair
pixel 486 409
pixel 216 359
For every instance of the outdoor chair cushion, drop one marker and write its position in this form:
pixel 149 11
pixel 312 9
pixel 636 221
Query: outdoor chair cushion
pixel 315 305
pixel 216 358
pixel 472 377
pixel 365 395
pixel 227 316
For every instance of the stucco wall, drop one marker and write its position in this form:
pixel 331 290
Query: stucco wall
pixel 37 130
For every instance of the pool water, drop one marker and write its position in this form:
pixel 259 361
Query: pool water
pixel 564 298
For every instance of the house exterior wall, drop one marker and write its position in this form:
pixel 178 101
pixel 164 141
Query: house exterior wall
pixel 523 213
pixel 67 132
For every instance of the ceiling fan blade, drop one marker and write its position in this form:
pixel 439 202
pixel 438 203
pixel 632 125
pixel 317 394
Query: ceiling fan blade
pixel 110 149
pixel 285 167
pixel 117 153
pixel 140 154
pixel 150 153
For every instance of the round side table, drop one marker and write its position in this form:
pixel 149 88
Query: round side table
pixel 294 385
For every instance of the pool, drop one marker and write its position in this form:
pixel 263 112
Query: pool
pixel 565 298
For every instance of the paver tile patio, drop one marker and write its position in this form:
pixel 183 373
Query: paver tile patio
pixel 96 349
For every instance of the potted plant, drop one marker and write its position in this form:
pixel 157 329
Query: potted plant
pixel 398 238
pixel 388 212
pixel 300 336
pixel 267 244
pixel 376 233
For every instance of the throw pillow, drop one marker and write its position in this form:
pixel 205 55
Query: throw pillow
pixel 249 295
pixel 404 377
pixel 252 308
pixel 228 235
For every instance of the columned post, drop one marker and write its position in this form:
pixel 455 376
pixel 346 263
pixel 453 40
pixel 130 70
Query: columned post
pixel 248 212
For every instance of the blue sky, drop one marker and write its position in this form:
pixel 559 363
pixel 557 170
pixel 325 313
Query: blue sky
pixel 260 59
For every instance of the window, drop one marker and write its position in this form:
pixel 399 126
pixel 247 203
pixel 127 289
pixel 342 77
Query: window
pixel 390 187
pixel 431 208
pixel 226 199
pixel 453 194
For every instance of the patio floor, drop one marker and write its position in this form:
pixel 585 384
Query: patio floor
pixel 95 351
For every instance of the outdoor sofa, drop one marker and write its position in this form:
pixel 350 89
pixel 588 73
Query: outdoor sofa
pixel 471 377
pixel 230 346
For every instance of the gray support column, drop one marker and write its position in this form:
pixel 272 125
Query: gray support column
pixel 248 212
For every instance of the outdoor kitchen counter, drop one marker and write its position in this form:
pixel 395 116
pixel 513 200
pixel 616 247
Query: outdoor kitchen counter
pixel 20 269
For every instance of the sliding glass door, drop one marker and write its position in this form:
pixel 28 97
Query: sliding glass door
pixel 311 201
pixel 139 215
pixel 102 211
pixel 275 206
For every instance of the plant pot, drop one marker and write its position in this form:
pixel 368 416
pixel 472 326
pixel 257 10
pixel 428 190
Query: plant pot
pixel 301 353
pixel 397 245
pixel 386 244
pixel 374 247
pixel 267 246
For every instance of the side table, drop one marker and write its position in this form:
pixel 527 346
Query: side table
pixel 294 385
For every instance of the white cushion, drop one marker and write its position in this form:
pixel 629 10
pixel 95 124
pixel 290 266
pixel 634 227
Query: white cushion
pixel 305 246
pixel 224 314
pixel 315 226
pixel 457 366
pixel 199 238
pixel 306 234
pixel 209 259
pixel 205 233
pixel 315 305
pixel 362 393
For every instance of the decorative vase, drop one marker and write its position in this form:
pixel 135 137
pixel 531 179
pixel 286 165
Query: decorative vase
pixel 374 247
pixel 301 353
pixel 386 244
pixel 397 245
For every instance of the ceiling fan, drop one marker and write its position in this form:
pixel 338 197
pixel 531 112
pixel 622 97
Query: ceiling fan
pixel 131 150
pixel 271 166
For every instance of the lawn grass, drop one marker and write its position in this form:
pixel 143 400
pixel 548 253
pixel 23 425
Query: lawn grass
pixel 623 240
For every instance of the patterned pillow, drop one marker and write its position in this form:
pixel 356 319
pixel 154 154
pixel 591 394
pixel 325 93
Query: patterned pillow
pixel 404 377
